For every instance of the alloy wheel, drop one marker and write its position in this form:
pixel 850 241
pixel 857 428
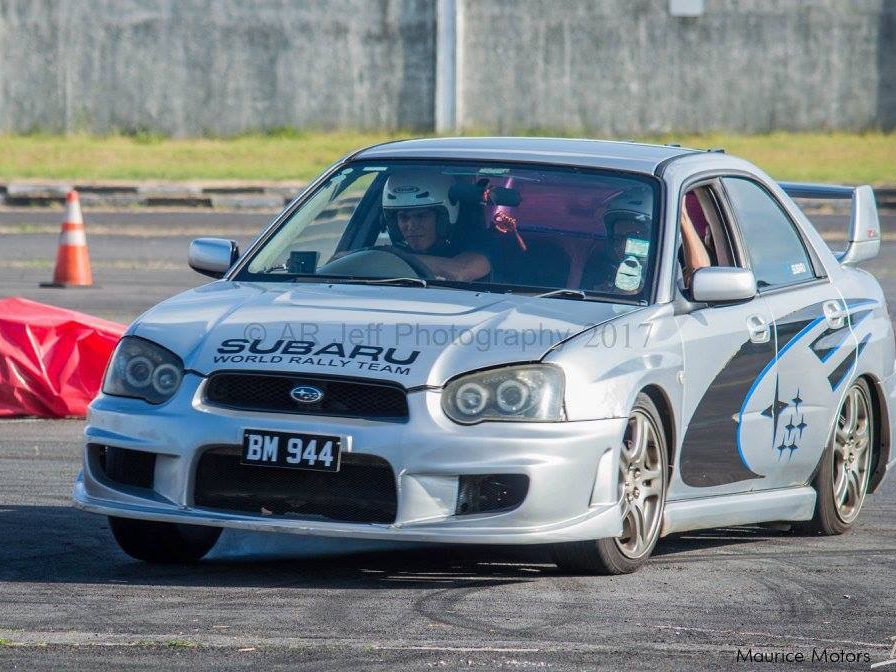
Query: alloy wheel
pixel 643 485
pixel 852 454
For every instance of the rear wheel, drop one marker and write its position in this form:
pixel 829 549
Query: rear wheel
pixel 842 479
pixel 643 479
pixel 163 542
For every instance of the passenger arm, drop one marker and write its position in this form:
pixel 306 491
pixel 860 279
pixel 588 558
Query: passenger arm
pixel 695 254
pixel 465 267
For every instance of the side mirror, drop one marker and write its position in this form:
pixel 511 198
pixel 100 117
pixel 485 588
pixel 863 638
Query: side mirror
pixel 213 256
pixel 723 284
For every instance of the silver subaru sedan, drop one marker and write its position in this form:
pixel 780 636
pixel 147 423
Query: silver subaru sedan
pixel 577 343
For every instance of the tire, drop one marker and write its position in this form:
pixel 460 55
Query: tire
pixel 163 542
pixel 842 479
pixel 643 481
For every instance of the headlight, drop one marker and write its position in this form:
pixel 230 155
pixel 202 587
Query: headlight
pixel 143 370
pixel 531 393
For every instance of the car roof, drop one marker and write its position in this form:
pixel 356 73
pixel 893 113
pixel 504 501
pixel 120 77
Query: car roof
pixel 615 155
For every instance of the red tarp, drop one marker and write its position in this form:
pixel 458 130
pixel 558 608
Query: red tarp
pixel 51 359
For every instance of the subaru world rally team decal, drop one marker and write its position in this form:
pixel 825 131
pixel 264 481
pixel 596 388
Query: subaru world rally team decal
pixel 309 353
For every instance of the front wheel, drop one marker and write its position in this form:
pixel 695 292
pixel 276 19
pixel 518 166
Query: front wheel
pixel 643 479
pixel 151 541
pixel 842 479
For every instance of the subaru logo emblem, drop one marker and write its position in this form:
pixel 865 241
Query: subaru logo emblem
pixel 306 394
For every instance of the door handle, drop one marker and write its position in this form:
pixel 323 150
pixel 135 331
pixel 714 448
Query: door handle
pixel 834 313
pixel 759 329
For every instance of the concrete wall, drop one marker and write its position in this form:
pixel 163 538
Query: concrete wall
pixel 187 67
pixel 628 67
pixel 603 67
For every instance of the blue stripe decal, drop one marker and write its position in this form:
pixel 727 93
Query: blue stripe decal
pixel 843 371
pixel 830 353
pixel 862 345
pixel 855 303
pixel 801 333
pixel 856 317
pixel 848 365
pixel 840 335
pixel 740 416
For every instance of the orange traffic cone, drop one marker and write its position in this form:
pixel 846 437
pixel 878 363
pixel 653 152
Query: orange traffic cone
pixel 72 262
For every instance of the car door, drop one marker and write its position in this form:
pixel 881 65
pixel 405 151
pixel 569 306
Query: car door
pixel 810 325
pixel 726 349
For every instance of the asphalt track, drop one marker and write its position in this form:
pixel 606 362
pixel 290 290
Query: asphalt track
pixel 69 599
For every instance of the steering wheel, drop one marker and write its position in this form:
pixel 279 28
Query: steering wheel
pixel 422 270
pixel 382 259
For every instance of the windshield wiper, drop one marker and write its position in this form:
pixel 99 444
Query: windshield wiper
pixel 563 294
pixel 418 282
pixel 343 280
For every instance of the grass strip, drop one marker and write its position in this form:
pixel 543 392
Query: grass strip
pixel 298 156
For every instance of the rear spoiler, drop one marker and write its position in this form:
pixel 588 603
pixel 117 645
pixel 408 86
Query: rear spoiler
pixel 864 226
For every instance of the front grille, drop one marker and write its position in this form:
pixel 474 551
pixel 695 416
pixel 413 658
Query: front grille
pixel 124 466
pixel 362 491
pixel 342 397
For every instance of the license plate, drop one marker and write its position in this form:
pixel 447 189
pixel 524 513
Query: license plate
pixel 293 451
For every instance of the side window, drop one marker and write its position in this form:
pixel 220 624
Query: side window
pixel 705 217
pixel 705 238
pixel 777 253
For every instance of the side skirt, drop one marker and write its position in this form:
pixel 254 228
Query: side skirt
pixel 741 509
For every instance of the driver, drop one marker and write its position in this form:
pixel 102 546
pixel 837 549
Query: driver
pixel 421 218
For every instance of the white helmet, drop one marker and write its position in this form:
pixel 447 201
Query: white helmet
pixel 421 189
pixel 636 205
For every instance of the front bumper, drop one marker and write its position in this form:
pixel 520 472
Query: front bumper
pixel 572 468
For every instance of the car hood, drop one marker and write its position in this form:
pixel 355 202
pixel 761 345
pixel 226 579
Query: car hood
pixel 412 335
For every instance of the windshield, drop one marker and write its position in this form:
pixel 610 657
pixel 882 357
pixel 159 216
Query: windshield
pixel 481 226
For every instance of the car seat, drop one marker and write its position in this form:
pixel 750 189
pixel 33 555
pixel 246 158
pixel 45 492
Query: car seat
pixel 542 264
